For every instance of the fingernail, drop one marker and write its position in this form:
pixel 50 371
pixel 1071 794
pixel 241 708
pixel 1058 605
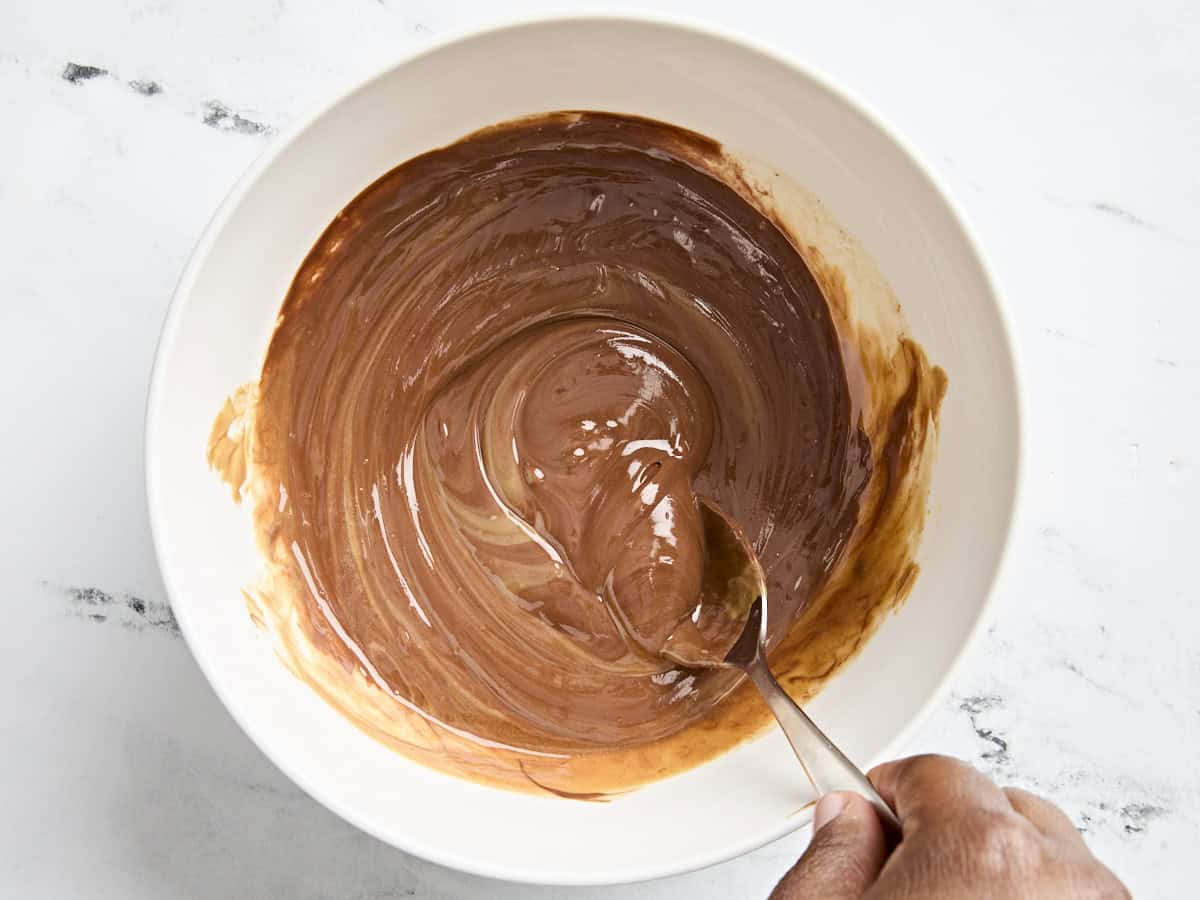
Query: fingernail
pixel 828 809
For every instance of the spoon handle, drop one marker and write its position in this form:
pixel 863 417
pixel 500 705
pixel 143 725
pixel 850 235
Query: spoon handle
pixel 827 767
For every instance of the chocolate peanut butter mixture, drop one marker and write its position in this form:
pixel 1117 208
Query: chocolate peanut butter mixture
pixel 499 385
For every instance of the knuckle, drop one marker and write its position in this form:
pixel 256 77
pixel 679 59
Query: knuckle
pixel 1001 843
pixel 916 769
pixel 1086 882
pixel 925 764
pixel 1106 886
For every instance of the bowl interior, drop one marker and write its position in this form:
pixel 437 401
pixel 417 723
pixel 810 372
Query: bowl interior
pixel 223 314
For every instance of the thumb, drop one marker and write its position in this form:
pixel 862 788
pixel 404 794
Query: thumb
pixel 845 855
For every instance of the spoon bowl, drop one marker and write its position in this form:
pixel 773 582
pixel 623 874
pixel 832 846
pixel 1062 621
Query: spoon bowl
pixel 733 579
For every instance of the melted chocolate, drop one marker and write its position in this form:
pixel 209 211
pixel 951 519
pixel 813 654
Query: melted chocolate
pixel 499 384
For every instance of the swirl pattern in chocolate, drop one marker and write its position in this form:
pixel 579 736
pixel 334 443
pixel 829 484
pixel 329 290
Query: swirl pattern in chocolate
pixel 499 386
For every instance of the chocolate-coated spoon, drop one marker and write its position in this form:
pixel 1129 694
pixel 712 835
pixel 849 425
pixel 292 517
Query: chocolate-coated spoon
pixel 734 593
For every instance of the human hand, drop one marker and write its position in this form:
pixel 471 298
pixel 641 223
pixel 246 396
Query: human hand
pixel 962 837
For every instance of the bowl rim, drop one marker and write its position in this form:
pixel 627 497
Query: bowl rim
pixel 334 97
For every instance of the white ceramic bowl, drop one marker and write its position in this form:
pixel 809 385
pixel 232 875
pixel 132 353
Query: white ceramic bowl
pixel 774 110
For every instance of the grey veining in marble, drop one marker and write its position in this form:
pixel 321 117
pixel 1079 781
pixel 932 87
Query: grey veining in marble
pixel 1069 133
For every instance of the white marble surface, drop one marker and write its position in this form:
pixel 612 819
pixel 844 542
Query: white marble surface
pixel 1072 139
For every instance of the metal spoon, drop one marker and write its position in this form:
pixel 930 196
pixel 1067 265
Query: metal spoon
pixel 735 592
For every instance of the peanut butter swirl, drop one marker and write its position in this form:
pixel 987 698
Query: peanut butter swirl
pixel 499 385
